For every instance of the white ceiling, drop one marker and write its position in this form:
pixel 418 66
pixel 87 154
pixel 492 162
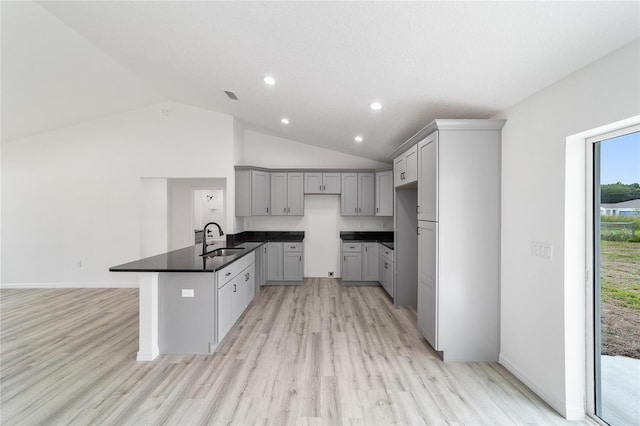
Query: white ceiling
pixel 421 60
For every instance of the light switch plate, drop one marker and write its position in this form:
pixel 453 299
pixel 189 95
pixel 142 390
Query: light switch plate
pixel 187 292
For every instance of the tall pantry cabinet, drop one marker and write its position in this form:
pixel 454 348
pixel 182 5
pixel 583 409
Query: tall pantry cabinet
pixel 459 238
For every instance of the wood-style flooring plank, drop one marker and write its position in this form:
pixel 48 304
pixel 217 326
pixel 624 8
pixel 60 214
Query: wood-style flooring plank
pixel 317 354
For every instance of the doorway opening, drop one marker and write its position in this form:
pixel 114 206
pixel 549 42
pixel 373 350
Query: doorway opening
pixel 616 281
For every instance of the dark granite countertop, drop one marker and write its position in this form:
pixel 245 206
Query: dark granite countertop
pixel 383 237
pixel 190 259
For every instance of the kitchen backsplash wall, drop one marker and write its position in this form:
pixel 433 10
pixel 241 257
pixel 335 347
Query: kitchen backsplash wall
pixel 322 224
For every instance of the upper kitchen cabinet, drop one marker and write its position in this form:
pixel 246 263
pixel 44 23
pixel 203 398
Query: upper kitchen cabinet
pixel 405 167
pixel 358 194
pixel 287 197
pixel 384 193
pixel 252 192
pixel 260 191
pixel 322 183
pixel 428 178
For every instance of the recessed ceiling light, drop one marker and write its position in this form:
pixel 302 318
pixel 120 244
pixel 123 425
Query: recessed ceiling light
pixel 285 121
pixel 358 139
pixel 377 106
pixel 269 80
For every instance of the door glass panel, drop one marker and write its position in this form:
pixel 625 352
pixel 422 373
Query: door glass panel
pixel 617 273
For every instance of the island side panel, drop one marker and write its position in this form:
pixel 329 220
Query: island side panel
pixel 187 313
pixel 148 348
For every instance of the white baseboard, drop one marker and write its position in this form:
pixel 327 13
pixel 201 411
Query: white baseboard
pixel 570 413
pixel 70 285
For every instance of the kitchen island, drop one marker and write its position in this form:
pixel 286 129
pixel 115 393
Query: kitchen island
pixel 188 302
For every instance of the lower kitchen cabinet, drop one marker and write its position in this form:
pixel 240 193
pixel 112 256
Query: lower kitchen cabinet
pixel 274 262
pixel 428 282
pixel 285 263
pixel 351 266
pixel 234 295
pixel 371 262
pixel 387 269
pixel 293 262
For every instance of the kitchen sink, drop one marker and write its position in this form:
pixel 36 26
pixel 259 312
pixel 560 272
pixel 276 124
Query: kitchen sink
pixel 221 252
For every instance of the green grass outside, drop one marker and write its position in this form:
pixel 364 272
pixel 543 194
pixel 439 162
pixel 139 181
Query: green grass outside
pixel 620 272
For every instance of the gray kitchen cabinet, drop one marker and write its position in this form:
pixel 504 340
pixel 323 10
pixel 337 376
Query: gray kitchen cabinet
pixel 349 194
pixel 261 266
pixel 274 262
pixel 428 282
pixel 260 193
pixel 384 193
pixel 358 194
pixel 243 192
pixel 293 262
pixel 295 194
pixel 351 266
pixel 285 263
pixel 236 290
pixel 458 261
pixel 387 270
pixel 371 262
pixel 226 308
pixel 287 195
pixel 428 187
pixel 405 167
pixel 366 194
pixel 322 183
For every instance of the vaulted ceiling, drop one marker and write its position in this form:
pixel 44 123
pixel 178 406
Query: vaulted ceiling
pixel 66 62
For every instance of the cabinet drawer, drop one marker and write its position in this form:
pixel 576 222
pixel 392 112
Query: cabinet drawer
pixel 352 247
pixel 388 253
pixel 226 274
pixel 289 247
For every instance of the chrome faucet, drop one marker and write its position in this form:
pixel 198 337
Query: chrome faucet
pixel 204 236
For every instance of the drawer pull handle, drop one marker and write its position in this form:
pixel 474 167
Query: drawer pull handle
pixel 234 288
pixel 227 274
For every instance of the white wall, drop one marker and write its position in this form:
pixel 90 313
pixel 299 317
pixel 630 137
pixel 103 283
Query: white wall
pixel 75 193
pixel 270 151
pixel 322 221
pixel 542 313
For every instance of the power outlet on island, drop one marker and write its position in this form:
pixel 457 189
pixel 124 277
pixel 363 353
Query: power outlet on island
pixel 187 292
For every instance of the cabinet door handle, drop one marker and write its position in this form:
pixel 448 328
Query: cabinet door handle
pixel 227 274
pixel 234 288
pixel 267 209
pixel 365 248
pixel 377 209
pixel 344 258
pixel 300 258
pixel 324 187
pixel 356 210
pixel 320 189
pixel 417 209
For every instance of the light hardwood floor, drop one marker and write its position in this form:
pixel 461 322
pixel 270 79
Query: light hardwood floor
pixel 319 354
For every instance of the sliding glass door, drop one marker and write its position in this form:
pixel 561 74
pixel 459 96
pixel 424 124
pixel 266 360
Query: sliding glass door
pixel 616 298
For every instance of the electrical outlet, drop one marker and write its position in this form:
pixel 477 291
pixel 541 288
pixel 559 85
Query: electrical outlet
pixel 187 292
pixel 79 264
pixel 330 274
pixel 542 250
